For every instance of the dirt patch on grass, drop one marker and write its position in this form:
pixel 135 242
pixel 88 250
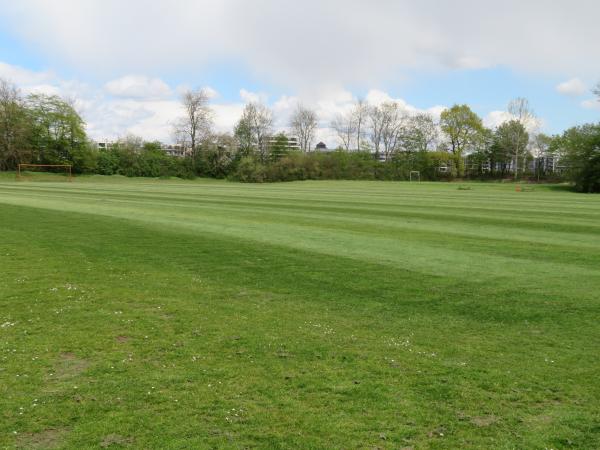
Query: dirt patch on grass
pixel 484 421
pixel 542 419
pixel 69 366
pixel 122 339
pixel 115 439
pixel 47 439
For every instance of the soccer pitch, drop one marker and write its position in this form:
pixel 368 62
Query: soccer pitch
pixel 333 314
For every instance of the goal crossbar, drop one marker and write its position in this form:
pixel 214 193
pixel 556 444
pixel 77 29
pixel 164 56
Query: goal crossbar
pixel 67 168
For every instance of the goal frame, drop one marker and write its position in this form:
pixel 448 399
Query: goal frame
pixel 414 172
pixel 68 168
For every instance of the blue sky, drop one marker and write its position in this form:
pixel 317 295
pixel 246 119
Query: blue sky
pixel 125 63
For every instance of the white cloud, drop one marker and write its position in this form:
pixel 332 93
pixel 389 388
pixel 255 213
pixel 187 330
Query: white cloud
pixel 591 104
pixel 574 87
pixel 253 97
pixel 47 89
pixel 226 116
pixel 137 86
pixel 20 75
pixel 496 118
pixel 210 92
pixel 305 45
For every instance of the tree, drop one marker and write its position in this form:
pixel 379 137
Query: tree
pixel 14 127
pixel 376 127
pixel 540 146
pixel 344 126
pixel 131 143
pixel 304 124
pixel 511 139
pixel 254 128
pixel 520 110
pixel 196 124
pixel 580 151
pixel 359 115
pixel 484 156
pixel 421 133
pixel 393 122
pixel 243 135
pixel 462 129
pixel 57 132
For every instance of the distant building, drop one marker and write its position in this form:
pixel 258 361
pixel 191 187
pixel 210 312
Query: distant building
pixel 105 145
pixel 292 141
pixel 321 147
pixel 177 150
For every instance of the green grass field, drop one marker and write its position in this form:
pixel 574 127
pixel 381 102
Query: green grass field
pixel 207 314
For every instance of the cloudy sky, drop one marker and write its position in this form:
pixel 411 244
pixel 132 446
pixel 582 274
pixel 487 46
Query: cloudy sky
pixel 126 62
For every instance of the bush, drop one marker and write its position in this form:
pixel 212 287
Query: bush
pixel 249 170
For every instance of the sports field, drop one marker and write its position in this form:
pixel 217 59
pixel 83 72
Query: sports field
pixel 207 314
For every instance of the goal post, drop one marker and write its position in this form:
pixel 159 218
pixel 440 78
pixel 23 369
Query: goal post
pixel 26 171
pixel 414 175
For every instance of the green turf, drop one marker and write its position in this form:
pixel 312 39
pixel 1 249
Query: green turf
pixel 207 314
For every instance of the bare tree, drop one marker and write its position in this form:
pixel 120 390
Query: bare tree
pixel 521 111
pixel 376 127
pixel 13 126
pixel 360 112
pixel 304 123
pixel 394 124
pixel 344 126
pixel 387 123
pixel 131 143
pixel 197 122
pixel 254 128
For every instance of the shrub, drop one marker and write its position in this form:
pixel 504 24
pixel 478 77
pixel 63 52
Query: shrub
pixel 249 170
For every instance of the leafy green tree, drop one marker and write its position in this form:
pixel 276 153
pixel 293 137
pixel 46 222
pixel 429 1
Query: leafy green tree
pixel 579 148
pixel 14 127
pixel 244 137
pixel 462 129
pixel 541 145
pixel 420 133
pixel 253 130
pixel 481 158
pixel 511 141
pixel 57 132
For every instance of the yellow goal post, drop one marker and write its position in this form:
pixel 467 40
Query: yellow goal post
pixel 22 168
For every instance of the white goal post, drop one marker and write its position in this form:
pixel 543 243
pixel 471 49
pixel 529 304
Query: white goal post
pixel 415 175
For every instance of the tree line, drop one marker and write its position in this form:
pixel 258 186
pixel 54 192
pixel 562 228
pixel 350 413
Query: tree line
pixel 383 141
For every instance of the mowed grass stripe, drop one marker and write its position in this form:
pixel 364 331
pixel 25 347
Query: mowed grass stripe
pixel 469 220
pixel 318 227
